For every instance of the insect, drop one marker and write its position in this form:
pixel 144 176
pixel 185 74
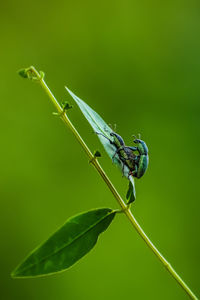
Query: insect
pixel 137 163
pixel 141 160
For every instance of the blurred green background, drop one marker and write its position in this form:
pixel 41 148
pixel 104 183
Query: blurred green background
pixel 137 63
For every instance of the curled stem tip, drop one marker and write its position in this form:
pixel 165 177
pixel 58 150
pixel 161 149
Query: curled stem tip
pixel 31 73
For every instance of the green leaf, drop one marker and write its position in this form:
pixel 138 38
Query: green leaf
pixel 131 193
pixel 67 245
pixel 97 154
pixel 23 73
pixel 66 105
pixel 100 126
pixel 97 123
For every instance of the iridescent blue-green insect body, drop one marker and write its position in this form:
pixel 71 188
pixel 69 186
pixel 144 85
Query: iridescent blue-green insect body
pixel 141 160
pixel 126 155
pixel 137 163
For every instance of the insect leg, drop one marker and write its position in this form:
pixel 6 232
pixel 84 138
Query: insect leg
pixel 134 172
pixel 132 148
pixel 116 152
pixel 123 169
pixel 99 133
pixel 123 165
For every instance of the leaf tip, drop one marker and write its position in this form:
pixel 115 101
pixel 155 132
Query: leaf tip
pixel 17 273
pixel 71 93
pixel 67 89
pixel 14 274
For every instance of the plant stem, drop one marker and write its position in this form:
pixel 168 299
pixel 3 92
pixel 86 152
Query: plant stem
pixel 33 74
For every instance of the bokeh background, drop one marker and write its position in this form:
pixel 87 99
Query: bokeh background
pixel 137 63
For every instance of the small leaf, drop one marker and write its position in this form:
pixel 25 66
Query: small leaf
pixel 102 129
pixel 23 73
pixel 66 105
pixel 131 193
pixel 67 245
pixel 97 153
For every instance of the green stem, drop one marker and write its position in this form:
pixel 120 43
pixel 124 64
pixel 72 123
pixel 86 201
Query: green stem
pixel 33 74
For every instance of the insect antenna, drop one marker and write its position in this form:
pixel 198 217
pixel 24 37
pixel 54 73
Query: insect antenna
pixel 113 127
pixel 134 136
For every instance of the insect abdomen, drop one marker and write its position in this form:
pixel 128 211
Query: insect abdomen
pixel 143 164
